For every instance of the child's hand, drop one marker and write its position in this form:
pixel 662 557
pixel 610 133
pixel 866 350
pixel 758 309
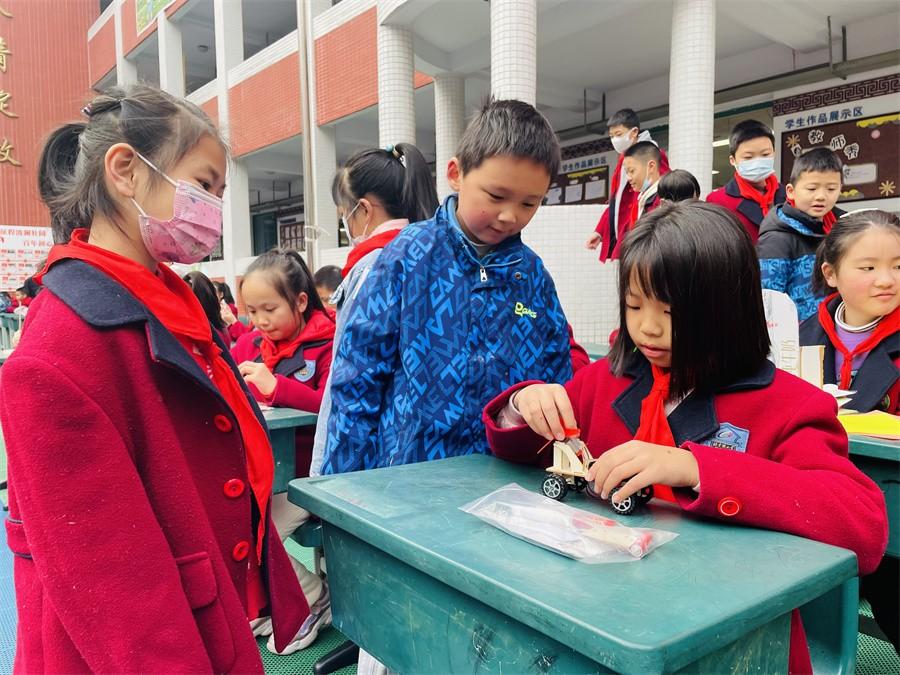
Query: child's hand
pixel 546 409
pixel 258 375
pixel 642 464
pixel 593 241
pixel 227 315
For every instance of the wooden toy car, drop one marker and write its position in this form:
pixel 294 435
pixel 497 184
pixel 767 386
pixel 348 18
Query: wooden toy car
pixel 571 461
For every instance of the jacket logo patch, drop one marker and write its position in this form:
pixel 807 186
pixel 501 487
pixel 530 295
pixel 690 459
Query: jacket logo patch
pixel 522 310
pixel 728 437
pixel 305 374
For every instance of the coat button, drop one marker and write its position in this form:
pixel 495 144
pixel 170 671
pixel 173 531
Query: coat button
pixel 241 549
pixel 729 507
pixel 233 488
pixel 222 423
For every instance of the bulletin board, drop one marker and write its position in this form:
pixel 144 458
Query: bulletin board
pixel 868 148
pixel 584 186
pixel 21 249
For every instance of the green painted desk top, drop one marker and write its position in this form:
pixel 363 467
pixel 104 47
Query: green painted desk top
pixel 704 590
pixel 868 446
pixel 282 418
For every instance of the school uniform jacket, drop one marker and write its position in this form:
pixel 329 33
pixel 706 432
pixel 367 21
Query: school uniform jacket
pixel 616 219
pixel 434 333
pixel 877 383
pixel 786 472
pixel 300 379
pixel 130 510
pixel 747 210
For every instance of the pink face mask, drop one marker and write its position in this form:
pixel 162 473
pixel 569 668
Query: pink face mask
pixel 193 230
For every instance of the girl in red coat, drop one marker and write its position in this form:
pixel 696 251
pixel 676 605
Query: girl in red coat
pixel 688 402
pixel 285 361
pixel 140 471
pixel 859 326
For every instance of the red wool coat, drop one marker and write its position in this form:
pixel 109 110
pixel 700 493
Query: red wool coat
pixel 130 507
pixel 301 378
pixel 747 210
pixel 782 457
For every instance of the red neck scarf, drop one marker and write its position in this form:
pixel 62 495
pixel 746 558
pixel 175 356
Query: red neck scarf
pixel 364 248
pixel 319 327
pixel 749 191
pixel 828 220
pixel 654 427
pixel 173 303
pixel 888 325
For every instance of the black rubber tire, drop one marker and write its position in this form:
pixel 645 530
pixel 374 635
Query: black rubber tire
pixel 554 487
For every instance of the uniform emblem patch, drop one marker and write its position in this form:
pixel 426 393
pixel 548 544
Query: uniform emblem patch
pixel 728 437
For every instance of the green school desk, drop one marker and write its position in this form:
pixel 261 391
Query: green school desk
pixel 427 588
pixel 880 461
pixel 282 424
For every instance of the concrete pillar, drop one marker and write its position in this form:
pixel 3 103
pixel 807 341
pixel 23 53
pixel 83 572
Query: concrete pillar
pixel 514 50
pixel 692 87
pixel 396 103
pixel 324 166
pixel 171 56
pixel 236 230
pixel 126 71
pixel 449 122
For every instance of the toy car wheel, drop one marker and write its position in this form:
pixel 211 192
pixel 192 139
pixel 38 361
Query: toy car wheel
pixel 580 484
pixel 625 507
pixel 589 488
pixel 645 495
pixel 554 486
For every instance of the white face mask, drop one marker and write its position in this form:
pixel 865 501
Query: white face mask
pixel 345 223
pixel 622 143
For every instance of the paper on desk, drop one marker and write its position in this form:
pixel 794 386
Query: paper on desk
pixel 875 423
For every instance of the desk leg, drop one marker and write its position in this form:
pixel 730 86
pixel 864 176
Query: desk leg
pixel 284 449
pixel 831 623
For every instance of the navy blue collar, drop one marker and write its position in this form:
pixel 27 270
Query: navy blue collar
pixel 102 302
pixel 297 362
pixel 695 417
pixel 878 372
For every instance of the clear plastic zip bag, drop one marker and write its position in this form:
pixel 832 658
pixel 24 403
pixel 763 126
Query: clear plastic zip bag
pixel 575 533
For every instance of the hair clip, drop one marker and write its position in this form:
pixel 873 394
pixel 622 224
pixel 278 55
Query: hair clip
pixel 395 151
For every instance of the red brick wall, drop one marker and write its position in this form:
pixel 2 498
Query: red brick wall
pixel 130 38
pixel 347 68
pixel 102 51
pixel 265 108
pixel 47 77
pixel 211 108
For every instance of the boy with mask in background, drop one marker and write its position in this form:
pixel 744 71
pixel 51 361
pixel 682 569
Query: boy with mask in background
pixel 755 187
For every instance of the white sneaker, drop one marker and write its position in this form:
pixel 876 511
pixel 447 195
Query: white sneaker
pixel 319 617
pixel 261 626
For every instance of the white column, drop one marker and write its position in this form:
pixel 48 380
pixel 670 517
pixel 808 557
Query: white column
pixel 236 230
pixel 171 56
pixel 126 71
pixel 449 123
pixel 396 105
pixel 323 169
pixel 692 87
pixel 238 237
pixel 514 50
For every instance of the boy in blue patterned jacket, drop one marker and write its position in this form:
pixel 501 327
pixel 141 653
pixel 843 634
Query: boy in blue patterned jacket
pixel 791 232
pixel 456 308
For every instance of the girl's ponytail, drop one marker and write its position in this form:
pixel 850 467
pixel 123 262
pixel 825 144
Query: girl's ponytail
pixel 56 177
pixel 419 198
